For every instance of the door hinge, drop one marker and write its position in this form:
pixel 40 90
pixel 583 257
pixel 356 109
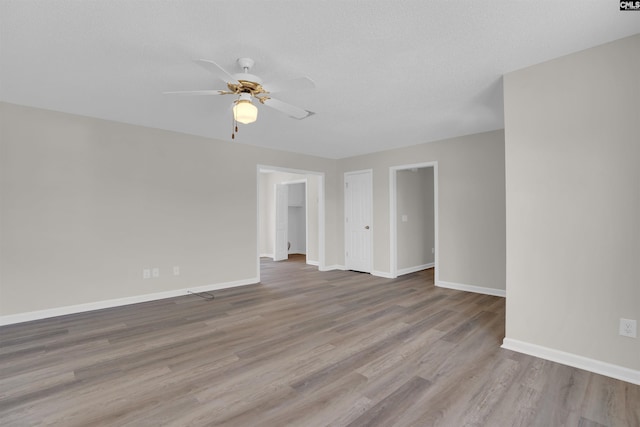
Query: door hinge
pixel 346 184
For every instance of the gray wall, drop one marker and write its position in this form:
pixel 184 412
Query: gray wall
pixel 471 205
pixel 86 204
pixel 573 202
pixel 414 192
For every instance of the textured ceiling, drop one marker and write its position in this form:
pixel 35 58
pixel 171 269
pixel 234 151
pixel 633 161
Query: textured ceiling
pixel 388 73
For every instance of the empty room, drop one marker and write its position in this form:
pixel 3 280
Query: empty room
pixel 319 213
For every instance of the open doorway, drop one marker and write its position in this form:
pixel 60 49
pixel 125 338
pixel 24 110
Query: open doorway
pixel 414 218
pixel 297 230
pixel 291 231
pixel 290 211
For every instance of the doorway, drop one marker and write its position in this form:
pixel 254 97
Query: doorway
pixel 307 207
pixel 297 229
pixel 414 218
pixel 291 229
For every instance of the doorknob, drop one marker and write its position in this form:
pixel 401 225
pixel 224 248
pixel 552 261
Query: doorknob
pixel 366 227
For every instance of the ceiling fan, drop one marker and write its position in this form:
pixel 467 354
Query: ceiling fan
pixel 248 86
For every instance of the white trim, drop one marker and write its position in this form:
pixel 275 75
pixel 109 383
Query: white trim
pixel 472 288
pixel 266 256
pixel 311 262
pixel 258 227
pixel 295 181
pixel 384 274
pixel 408 270
pixel 321 223
pixel 98 305
pixel 596 366
pixel 393 221
pixel 332 267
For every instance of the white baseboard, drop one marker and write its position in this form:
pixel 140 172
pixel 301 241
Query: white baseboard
pixel 98 305
pixel 266 255
pixel 472 288
pixel 311 262
pixel 408 270
pixel 384 274
pixel 333 267
pixel 603 368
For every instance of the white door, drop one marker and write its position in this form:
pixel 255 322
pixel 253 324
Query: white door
pixel 358 215
pixel 281 250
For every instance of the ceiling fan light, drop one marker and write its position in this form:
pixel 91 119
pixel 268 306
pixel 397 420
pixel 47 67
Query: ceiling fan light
pixel 245 112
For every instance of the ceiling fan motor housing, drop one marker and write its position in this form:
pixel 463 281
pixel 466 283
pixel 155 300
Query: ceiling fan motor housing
pixel 245 63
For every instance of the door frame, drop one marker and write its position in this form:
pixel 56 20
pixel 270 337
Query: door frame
pixel 393 215
pixel 371 222
pixel 321 211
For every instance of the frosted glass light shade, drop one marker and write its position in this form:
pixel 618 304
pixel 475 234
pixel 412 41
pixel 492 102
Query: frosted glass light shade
pixel 245 112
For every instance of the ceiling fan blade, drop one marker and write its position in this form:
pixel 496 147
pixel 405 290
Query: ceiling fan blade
pixel 219 72
pixel 288 109
pixel 198 92
pixel 294 84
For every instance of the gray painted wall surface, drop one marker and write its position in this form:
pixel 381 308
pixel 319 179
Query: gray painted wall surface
pixel 573 202
pixel 86 204
pixel 471 205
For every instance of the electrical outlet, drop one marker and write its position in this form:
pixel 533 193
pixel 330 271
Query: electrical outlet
pixel 433 250
pixel 146 273
pixel 405 218
pixel 155 272
pixel 176 270
pixel 628 328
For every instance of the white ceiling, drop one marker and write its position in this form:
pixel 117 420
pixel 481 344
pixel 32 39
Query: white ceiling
pixel 388 73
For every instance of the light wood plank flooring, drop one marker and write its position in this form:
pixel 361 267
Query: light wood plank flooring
pixel 303 348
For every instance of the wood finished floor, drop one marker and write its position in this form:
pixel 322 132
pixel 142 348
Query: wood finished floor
pixel 304 348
